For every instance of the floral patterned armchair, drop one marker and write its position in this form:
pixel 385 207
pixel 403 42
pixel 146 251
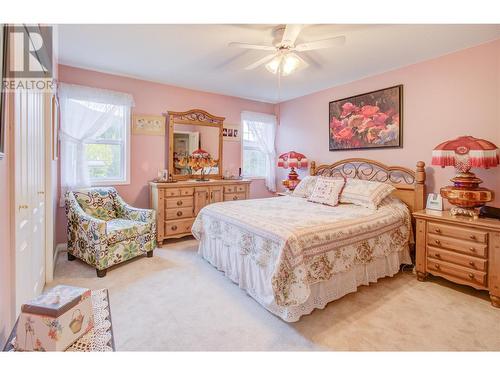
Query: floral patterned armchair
pixel 103 230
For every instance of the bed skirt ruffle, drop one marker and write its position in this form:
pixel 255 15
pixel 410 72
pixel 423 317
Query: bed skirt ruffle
pixel 256 279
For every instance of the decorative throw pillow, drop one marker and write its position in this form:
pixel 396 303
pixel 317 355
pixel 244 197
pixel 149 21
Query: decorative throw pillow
pixel 365 193
pixel 327 191
pixel 305 187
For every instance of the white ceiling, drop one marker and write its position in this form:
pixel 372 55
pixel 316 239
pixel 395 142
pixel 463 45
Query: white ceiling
pixel 198 56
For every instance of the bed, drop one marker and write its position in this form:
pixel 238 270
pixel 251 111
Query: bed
pixel 293 256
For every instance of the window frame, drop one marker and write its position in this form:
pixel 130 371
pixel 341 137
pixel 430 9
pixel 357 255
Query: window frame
pixel 249 147
pixel 125 148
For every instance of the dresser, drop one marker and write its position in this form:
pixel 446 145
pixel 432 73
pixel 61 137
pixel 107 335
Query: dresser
pixel 178 203
pixel 461 249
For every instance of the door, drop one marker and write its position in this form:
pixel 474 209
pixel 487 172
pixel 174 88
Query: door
pixel 216 194
pixel 201 198
pixel 29 154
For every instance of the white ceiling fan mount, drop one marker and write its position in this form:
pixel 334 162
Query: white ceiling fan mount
pixel 285 58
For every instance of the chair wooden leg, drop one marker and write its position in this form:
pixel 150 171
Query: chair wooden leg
pixel 71 257
pixel 101 273
pixel 149 254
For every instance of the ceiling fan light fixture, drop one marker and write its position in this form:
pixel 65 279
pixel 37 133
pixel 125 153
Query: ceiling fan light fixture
pixel 290 64
pixel 273 66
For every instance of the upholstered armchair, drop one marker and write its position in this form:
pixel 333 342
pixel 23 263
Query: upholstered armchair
pixel 103 230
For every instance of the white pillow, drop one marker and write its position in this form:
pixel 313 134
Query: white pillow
pixel 305 187
pixel 327 191
pixel 365 193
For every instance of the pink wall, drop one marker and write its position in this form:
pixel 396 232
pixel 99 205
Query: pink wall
pixel 456 94
pixel 148 152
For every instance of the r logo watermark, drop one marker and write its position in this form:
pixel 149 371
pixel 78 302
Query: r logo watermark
pixel 29 62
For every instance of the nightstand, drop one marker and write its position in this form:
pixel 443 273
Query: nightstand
pixel 460 249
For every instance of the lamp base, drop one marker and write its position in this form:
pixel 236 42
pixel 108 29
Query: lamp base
pixel 466 194
pixel 293 180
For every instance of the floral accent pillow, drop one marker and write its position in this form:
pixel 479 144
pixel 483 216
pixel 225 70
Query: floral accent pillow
pixel 305 187
pixel 327 191
pixel 365 193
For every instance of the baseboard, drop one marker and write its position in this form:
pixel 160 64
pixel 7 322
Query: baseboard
pixel 59 247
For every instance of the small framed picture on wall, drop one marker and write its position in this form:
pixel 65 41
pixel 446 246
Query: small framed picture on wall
pixel 231 132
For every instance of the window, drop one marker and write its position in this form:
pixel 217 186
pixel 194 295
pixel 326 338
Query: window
pixel 107 154
pixel 259 154
pixel 254 159
pixel 95 136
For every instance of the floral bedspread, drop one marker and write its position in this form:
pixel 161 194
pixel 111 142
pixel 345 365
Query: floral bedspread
pixel 305 242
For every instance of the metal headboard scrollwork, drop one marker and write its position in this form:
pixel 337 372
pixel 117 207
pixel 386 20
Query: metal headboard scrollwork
pixel 410 184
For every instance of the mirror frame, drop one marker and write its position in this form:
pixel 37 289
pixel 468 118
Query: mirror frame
pixel 193 117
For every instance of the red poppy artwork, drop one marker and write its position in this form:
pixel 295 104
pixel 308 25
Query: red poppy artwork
pixel 371 120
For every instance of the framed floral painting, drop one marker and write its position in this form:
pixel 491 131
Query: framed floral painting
pixel 371 120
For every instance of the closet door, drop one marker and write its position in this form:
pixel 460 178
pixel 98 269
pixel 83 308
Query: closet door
pixel 29 169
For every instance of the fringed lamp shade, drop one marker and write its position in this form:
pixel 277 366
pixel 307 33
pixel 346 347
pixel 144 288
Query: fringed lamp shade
pixel 292 160
pixel 465 153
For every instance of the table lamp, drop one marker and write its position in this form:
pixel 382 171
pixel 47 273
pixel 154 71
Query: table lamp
pixel 465 153
pixel 292 160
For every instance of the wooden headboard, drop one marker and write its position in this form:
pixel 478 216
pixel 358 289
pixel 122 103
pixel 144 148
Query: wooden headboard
pixel 410 185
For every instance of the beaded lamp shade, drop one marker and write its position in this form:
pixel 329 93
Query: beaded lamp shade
pixel 292 160
pixel 465 153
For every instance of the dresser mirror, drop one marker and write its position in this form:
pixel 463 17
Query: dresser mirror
pixel 195 145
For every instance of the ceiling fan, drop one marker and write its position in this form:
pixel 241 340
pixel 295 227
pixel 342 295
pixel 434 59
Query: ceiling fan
pixel 285 58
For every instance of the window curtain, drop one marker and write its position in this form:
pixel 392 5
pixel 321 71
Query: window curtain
pixel 86 113
pixel 263 128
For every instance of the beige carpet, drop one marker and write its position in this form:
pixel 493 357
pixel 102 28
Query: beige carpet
pixel 178 301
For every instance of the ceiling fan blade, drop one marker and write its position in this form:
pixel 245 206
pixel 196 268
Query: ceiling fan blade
pixel 320 44
pixel 252 46
pixel 260 62
pixel 290 35
pixel 303 63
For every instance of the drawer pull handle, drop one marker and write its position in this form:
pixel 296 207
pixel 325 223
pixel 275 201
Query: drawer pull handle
pixel 437 266
pixel 471 263
pixel 174 227
pixel 179 203
pixel 179 213
pixel 235 198
pixel 437 242
pixel 438 230
pixel 471 275
pixel 472 249
pixel 472 237
pixel 437 255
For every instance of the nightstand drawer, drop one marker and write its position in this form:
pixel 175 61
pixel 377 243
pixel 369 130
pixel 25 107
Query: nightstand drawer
pixel 457 232
pixel 457 258
pixel 454 272
pixel 467 247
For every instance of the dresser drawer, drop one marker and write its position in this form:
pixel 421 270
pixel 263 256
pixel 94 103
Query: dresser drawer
pixel 455 272
pixel 241 188
pixel 457 258
pixel 179 202
pixel 457 232
pixel 172 193
pixel 234 197
pixel 179 213
pixel 178 226
pixel 467 247
pixel 186 192
pixel 230 188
